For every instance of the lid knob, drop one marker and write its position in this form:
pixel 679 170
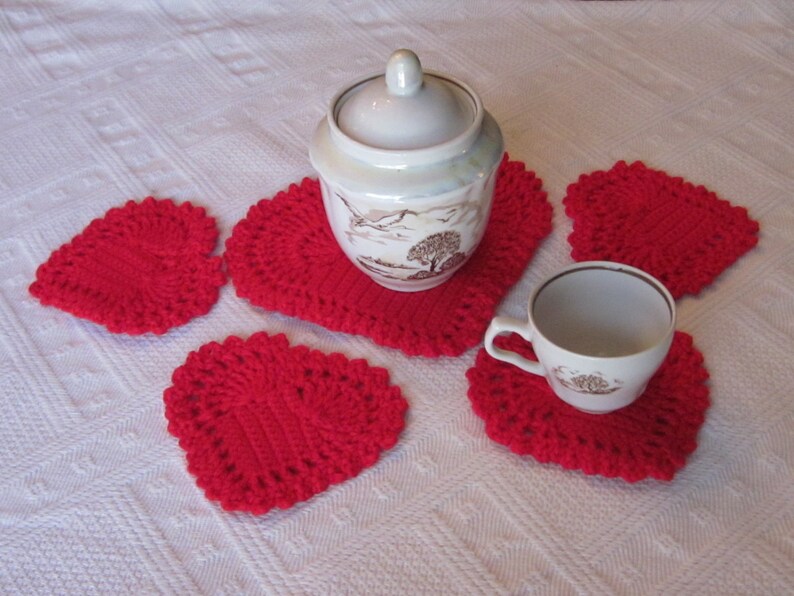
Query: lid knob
pixel 403 73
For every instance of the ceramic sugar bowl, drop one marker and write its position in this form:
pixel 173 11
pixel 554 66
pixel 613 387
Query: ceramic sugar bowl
pixel 407 164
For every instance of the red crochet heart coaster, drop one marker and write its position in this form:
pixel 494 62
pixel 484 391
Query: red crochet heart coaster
pixel 283 257
pixel 267 425
pixel 144 267
pixel 652 437
pixel 682 234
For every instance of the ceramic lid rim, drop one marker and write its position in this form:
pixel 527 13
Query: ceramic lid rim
pixel 400 158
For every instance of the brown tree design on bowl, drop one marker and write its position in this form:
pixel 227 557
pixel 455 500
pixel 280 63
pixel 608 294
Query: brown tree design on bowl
pixel 439 252
pixel 436 254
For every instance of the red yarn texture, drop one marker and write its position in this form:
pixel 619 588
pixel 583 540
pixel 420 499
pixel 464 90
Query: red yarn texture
pixel 144 267
pixel 266 425
pixel 283 257
pixel 682 234
pixel 650 438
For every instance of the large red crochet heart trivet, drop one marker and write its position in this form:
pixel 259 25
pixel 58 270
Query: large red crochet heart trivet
pixel 144 267
pixel 283 257
pixel 651 438
pixel 682 234
pixel 266 425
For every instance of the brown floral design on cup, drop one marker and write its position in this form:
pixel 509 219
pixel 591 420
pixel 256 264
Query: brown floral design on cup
pixel 591 384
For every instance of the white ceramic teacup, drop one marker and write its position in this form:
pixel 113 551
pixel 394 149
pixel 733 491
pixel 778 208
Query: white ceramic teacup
pixel 600 330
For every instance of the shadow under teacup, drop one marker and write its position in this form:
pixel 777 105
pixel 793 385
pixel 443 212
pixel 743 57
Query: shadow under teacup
pixel 599 330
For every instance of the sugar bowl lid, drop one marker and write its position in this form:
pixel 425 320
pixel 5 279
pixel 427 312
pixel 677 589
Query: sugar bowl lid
pixel 407 108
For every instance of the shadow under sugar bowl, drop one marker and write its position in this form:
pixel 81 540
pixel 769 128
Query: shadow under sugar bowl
pixel 407 162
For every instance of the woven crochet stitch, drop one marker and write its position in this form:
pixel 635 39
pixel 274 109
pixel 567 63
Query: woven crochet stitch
pixel 267 425
pixel 680 233
pixel 283 257
pixel 650 438
pixel 144 267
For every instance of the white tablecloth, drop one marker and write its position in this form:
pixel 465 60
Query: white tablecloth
pixel 215 103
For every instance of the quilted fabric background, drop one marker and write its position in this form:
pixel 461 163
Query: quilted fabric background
pixel 215 103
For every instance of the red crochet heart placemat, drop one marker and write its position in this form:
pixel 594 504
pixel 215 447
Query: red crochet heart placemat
pixel 283 257
pixel 682 234
pixel 266 425
pixel 144 267
pixel 651 438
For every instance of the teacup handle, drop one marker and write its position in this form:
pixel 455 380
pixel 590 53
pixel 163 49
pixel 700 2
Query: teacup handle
pixel 501 325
